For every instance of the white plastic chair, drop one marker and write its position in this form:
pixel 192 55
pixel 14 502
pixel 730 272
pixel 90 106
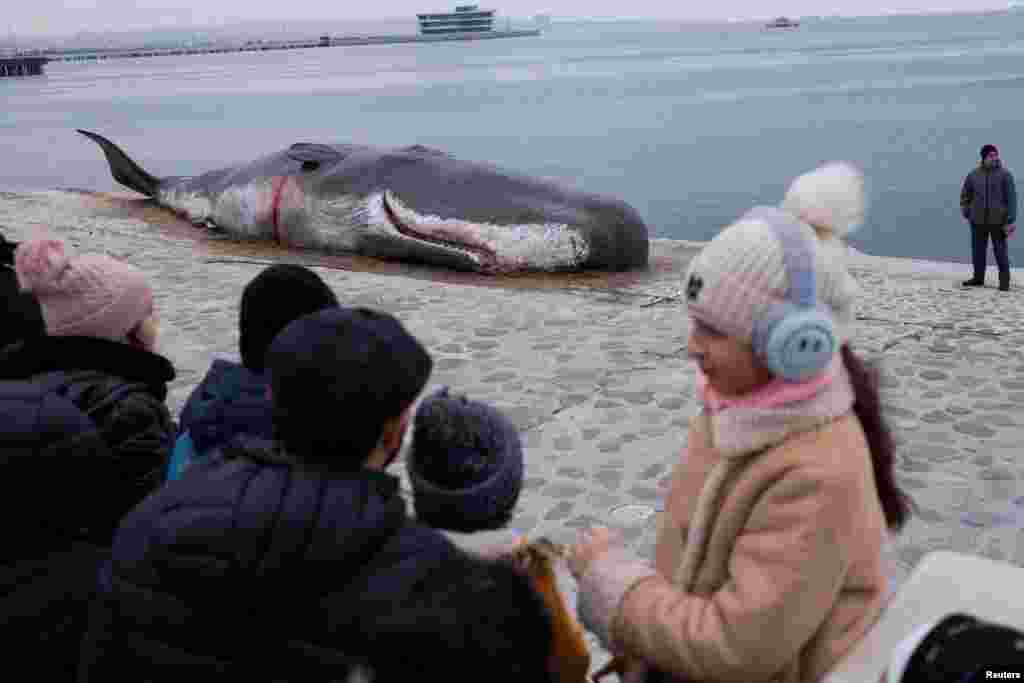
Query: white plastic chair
pixel 943 582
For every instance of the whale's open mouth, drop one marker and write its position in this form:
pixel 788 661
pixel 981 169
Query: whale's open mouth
pixel 441 233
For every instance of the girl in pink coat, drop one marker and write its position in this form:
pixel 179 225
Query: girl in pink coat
pixel 768 565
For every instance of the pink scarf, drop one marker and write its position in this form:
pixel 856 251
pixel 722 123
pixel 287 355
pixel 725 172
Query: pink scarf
pixel 776 393
pixel 769 414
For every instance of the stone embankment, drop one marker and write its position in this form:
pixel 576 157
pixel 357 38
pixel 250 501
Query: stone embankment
pixel 592 367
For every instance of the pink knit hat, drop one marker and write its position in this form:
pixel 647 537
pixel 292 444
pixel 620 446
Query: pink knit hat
pixel 92 295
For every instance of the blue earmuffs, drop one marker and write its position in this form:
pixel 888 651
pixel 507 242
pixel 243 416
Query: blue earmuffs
pixel 796 338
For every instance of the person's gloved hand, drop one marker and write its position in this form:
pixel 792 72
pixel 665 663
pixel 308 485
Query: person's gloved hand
pixel 1010 229
pixel 592 543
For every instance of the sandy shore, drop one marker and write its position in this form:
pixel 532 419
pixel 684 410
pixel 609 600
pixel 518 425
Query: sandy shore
pixel 592 367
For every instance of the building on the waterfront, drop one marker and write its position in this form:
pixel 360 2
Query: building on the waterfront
pixel 465 19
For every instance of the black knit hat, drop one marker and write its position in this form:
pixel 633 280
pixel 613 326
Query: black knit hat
pixel 988 149
pixel 336 376
pixel 274 298
pixel 7 251
pixel 21 317
pixel 962 648
pixel 466 464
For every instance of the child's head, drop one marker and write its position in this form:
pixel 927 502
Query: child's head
pixel 342 383
pixel 92 295
pixel 470 617
pixel 278 295
pixel 770 296
pixel 466 464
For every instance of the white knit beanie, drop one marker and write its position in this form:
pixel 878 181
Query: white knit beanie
pixel 741 272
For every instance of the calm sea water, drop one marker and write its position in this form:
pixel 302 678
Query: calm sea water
pixel 692 124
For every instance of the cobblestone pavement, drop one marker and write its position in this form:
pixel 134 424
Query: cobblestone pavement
pixel 592 367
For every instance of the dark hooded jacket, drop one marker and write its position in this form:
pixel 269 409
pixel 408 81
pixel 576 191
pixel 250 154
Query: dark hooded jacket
pixel 231 400
pixel 121 388
pixel 50 557
pixel 258 568
pixel 989 197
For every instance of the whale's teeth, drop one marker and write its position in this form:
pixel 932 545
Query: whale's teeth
pixel 412 225
pixel 545 246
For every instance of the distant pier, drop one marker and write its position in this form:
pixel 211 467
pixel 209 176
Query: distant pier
pixel 22 66
pixel 96 54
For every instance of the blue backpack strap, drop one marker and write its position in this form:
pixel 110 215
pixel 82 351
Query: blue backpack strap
pixel 183 454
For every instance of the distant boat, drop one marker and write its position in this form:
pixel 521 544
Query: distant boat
pixel 782 22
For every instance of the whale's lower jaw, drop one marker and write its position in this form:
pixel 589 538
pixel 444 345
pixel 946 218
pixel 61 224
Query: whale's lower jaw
pixel 480 254
pixel 489 247
pixel 382 225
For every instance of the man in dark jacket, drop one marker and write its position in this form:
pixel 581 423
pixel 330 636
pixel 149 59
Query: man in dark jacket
pixel 988 200
pixel 295 560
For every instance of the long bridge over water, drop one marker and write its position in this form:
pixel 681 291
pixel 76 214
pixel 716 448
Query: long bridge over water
pixel 32 64
pixel 22 66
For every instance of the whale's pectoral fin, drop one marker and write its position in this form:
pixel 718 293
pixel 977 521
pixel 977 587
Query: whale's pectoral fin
pixel 313 155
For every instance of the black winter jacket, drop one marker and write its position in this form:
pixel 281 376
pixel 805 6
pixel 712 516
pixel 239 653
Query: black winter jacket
pixel 255 568
pixel 989 197
pixel 122 388
pixel 56 527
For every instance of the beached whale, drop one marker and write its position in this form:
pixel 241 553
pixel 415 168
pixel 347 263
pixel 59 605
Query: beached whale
pixel 410 204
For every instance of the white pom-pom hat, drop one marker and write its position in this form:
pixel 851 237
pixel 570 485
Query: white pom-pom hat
pixel 741 273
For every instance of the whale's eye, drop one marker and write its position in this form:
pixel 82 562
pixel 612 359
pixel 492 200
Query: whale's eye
pixel 427 151
pixel 308 152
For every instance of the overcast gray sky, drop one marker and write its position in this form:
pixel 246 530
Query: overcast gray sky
pixel 36 17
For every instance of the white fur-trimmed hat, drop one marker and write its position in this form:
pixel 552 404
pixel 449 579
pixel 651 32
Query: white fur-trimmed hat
pixel 741 272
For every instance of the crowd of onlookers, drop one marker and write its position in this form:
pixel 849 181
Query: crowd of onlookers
pixel 260 536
